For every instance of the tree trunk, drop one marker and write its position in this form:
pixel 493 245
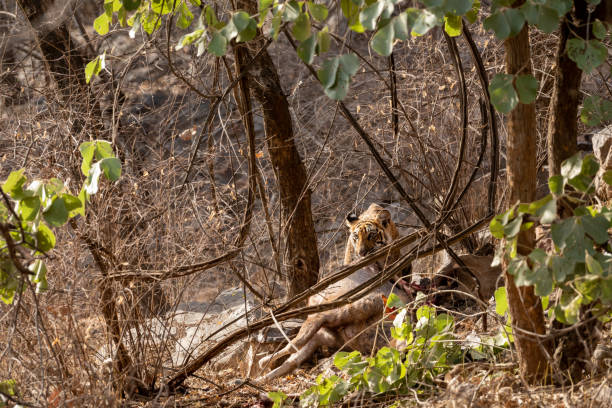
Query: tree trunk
pixel 301 256
pixel 577 346
pixel 525 307
pixel 63 62
pixel 562 126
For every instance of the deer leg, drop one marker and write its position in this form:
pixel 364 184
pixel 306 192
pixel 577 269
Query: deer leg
pixel 323 337
pixel 361 310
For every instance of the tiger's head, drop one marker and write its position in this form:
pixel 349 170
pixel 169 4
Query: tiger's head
pixel 371 230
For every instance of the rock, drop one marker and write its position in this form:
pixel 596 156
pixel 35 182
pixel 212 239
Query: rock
pixel 196 325
pixel 602 141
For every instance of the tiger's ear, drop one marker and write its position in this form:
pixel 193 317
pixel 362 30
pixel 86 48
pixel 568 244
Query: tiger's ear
pixel 384 217
pixel 351 219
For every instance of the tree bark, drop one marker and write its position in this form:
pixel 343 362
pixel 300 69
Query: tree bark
pixel 562 126
pixel 525 307
pixel 301 256
pixel 64 63
pixel 577 346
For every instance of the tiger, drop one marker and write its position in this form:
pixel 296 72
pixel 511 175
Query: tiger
pixel 373 229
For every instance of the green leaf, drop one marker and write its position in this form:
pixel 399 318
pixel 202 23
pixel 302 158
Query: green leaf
pixel 382 41
pixel 369 15
pixel 13 186
pixel 275 26
pixel 72 203
pixel 45 238
pixel 95 66
pixel 328 72
pixel 562 7
pixel 400 26
pixel 513 227
pixel 343 358
pixel 503 95
pixel 595 110
pixel 28 208
pixel 458 7
pixel 111 167
pixel 544 283
pixel 393 301
pixel 248 33
pixel 57 214
pixel 548 211
pixel 592 265
pixel 501 302
pixel 263 9
pixel 87 150
pixel 499 222
pixel 541 15
pixel 472 15
pixel 607 177
pixel 519 268
pixel 104 149
pixel 306 49
pixel 323 41
pixel 581 183
pixel 527 88
pixel 587 55
pixel 185 16
pixel 425 312
pixel 548 20
pixel 556 184
pixel 83 198
pixel 424 22
pixel 599 29
pixel 571 167
pixel 351 12
pixel 349 64
pixel 277 397
pixel 101 24
pixel 189 38
pixel 339 89
pixel 229 31
pixel 589 166
pixel 241 20
pixel 506 23
pixel 317 11
pixel 210 17
pixel 596 227
pixel 453 25
pixel 538 256
pixel 8 387
pixel 566 232
pixel 217 45
pixel 301 27
pixel 130 5
pixel 292 11
pixel 150 21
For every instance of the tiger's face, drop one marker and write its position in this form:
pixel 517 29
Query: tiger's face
pixel 366 237
pixel 368 232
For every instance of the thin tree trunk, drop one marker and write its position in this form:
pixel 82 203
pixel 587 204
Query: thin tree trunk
pixel 525 307
pixel 562 125
pixel 63 62
pixel 577 346
pixel 301 253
